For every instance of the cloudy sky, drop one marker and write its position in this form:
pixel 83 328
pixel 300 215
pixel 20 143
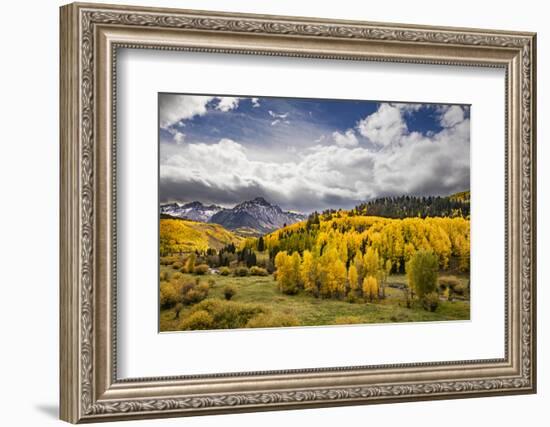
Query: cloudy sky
pixel 309 154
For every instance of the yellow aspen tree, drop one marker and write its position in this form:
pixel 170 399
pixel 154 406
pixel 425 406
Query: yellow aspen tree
pixel 359 266
pixel 333 272
pixel 284 272
pixel 280 259
pixel 371 262
pixel 343 252
pixel 388 267
pixel 385 268
pixel 323 267
pixel 295 263
pixel 370 288
pixel 353 279
pixel 322 241
pixel 337 277
pixel 308 273
pixel 408 251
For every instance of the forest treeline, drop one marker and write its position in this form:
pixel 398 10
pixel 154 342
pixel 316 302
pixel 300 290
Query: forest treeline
pixel 395 240
pixel 456 205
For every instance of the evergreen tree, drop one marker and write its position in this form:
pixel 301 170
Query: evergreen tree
pixel 261 244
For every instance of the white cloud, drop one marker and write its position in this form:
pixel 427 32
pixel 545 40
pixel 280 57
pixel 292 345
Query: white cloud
pixel 255 102
pixel 320 176
pixel 451 116
pixel 320 139
pixel 175 108
pixel 227 103
pixel 177 136
pixel 407 107
pixel 278 116
pixel 277 121
pixel 347 139
pixel 384 127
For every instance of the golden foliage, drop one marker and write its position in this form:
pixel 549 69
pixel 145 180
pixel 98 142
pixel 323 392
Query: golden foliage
pixel 180 235
pixel 288 272
pixel 353 278
pixel 308 273
pixel 395 240
pixel 370 288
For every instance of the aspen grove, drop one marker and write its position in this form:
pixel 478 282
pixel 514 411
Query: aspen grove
pixel 338 254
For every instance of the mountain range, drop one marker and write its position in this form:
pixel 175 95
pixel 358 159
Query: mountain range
pixel 194 211
pixel 255 216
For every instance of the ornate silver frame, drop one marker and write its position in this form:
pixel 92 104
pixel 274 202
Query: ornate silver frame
pixel 90 36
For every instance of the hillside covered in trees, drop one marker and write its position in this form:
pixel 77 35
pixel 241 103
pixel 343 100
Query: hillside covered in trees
pixel 183 236
pixel 455 205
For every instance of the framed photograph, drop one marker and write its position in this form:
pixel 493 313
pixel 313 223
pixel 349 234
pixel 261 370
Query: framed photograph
pixel 266 212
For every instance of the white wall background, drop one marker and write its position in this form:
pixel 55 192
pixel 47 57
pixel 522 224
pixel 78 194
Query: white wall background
pixel 29 170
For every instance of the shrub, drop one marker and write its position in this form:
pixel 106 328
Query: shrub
pixel 407 297
pixel 422 271
pixel 177 276
pixel 201 269
pixel 241 271
pixel 265 320
pixel 203 287
pixel 229 291
pixel 258 271
pixel 163 276
pixel 430 301
pixel 347 320
pixel 229 314
pixel 177 265
pixel 193 293
pixel 168 260
pixel 261 263
pixel 177 309
pixel 190 263
pixel 211 282
pixel 225 271
pixel 460 290
pixel 199 320
pixel 448 282
pixel 168 295
pixel 351 298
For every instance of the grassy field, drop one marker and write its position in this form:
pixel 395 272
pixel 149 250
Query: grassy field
pixel 312 311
